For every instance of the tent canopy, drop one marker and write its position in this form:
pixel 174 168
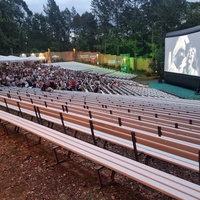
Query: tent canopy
pixel 12 58
pixel 4 59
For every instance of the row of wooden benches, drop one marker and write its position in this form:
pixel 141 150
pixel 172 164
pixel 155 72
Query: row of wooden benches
pixel 156 179
pixel 161 119
pixel 161 130
pixel 179 104
pixel 161 143
pixel 144 122
pixel 188 132
pixel 109 103
pixel 39 111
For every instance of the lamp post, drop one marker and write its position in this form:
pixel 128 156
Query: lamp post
pixel 97 59
pixel 74 50
pixel 49 55
pixel 124 67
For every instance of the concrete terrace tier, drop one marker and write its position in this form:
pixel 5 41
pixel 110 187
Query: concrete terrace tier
pixel 93 69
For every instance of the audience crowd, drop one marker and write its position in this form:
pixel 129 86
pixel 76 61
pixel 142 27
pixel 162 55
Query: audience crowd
pixel 49 78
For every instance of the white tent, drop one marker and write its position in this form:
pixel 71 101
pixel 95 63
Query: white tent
pixel 15 58
pixel 55 56
pixel 12 58
pixel 4 59
pixel 32 58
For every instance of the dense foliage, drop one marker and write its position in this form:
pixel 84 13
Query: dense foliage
pixel 137 27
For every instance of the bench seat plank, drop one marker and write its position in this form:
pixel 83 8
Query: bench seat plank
pixel 80 123
pixel 156 179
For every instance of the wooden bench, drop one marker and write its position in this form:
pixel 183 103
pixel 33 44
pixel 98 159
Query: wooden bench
pixel 124 102
pixel 172 150
pixel 153 118
pixel 167 184
pixel 159 127
pixel 180 118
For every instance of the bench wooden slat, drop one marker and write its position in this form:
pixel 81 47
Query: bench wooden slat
pixel 161 181
pixel 80 123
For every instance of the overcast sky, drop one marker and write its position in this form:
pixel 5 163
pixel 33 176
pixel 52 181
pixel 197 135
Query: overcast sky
pixel 81 6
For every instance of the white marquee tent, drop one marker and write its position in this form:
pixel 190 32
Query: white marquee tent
pixel 15 59
pixel 4 59
pixel 12 58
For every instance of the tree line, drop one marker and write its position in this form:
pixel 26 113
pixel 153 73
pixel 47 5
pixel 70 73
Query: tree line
pixel 137 27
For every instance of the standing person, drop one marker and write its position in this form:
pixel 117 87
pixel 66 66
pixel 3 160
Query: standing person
pixel 73 84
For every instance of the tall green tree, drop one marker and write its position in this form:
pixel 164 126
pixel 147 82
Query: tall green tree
pixel 84 28
pixel 133 29
pixel 66 29
pixel 162 16
pixel 192 15
pixel 107 13
pixel 58 29
pixel 12 16
pixel 37 31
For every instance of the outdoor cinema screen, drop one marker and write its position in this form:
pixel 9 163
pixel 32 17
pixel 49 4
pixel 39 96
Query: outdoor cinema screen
pixel 182 52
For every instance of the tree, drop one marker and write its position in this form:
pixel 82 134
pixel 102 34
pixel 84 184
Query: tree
pixel 84 29
pixel 66 29
pixel 160 17
pixel 192 15
pixel 137 27
pixel 12 16
pixel 58 29
pixel 107 13
pixel 37 31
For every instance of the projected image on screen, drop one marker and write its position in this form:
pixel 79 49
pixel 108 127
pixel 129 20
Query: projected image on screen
pixel 182 54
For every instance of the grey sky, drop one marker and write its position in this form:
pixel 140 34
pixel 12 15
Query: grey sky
pixel 81 6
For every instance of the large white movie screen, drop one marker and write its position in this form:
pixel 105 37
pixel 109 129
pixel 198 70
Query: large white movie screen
pixel 182 54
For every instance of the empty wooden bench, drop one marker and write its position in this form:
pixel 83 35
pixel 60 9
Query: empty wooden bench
pixel 174 120
pixel 137 119
pixel 172 150
pixel 189 135
pixel 167 184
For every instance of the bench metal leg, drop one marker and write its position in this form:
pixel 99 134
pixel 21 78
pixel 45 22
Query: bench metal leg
pixel 31 118
pixel 16 129
pixel 104 145
pixel 92 132
pixel 135 146
pixel 113 175
pixel 3 124
pixel 199 167
pixel 7 110
pixel 75 133
pixel 27 140
pixel 147 159
pixel 19 113
pixel 50 124
pixel 5 130
pixel 56 155
pixel 99 175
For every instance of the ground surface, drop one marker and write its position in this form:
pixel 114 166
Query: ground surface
pixel 30 173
